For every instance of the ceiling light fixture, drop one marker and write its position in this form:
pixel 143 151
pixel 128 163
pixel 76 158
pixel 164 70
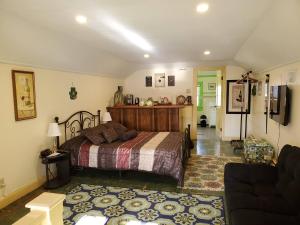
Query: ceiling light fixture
pixel 81 19
pixel 202 7
pixel 146 56
pixel 130 35
pixel 206 52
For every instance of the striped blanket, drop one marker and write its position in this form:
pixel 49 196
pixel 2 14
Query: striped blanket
pixel 156 152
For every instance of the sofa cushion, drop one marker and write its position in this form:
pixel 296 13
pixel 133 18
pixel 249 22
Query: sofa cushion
pixel 289 176
pixel 256 217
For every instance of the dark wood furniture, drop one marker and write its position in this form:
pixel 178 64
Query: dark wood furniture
pixel 62 162
pixel 144 118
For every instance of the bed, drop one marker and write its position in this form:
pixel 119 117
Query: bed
pixel 162 153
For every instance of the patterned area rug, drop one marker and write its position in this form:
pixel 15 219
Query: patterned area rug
pixel 206 173
pixel 93 204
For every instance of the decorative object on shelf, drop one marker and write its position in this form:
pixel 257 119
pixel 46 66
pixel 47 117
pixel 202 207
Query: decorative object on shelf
pixel 180 100
pixel 142 102
pixel 106 117
pixel 149 102
pixel 73 92
pixel 53 131
pixel 148 80
pixel 189 99
pixel 237 97
pixel 211 86
pixel 119 97
pixel 129 99
pixel 171 80
pixel 24 94
pixel 160 79
pixel 136 101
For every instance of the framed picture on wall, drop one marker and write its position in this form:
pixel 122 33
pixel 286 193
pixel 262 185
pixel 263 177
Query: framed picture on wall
pixel 171 80
pixel 238 97
pixel 211 86
pixel 24 94
pixel 160 80
pixel 148 81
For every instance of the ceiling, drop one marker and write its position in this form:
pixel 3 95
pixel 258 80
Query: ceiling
pixel 44 33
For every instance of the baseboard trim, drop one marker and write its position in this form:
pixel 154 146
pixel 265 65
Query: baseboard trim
pixel 20 192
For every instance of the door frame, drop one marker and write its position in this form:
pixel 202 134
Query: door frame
pixel 195 80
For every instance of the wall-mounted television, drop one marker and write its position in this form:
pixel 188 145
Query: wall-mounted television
pixel 280 104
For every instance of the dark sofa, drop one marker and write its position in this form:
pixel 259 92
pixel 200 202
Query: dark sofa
pixel 259 194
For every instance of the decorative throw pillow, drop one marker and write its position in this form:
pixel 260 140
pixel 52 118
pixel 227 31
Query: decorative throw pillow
pixel 110 135
pixel 95 134
pixel 128 135
pixel 119 128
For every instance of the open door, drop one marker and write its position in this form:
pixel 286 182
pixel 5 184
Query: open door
pixel 219 104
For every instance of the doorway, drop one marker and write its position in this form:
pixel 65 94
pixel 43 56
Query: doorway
pixel 209 104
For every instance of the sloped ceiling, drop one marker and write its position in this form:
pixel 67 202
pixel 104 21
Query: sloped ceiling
pixel 276 39
pixel 255 33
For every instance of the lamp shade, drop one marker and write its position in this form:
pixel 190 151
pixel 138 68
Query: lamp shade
pixel 106 117
pixel 53 130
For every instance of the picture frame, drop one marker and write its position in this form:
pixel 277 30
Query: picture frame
pixel 148 81
pixel 23 83
pixel 171 80
pixel 238 98
pixel 211 86
pixel 160 79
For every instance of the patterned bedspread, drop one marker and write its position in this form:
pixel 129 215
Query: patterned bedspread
pixel 156 152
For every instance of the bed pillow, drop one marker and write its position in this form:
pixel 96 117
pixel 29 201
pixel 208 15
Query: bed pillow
pixel 119 128
pixel 110 135
pixel 128 135
pixel 95 134
pixel 72 143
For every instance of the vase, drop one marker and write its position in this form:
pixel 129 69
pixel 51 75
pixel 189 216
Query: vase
pixel 119 97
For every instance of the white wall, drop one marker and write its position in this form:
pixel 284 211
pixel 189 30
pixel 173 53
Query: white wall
pixel 135 84
pixel 22 141
pixel 231 122
pixel 288 134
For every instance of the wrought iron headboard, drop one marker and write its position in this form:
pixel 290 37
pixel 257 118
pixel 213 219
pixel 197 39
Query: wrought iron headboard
pixel 77 122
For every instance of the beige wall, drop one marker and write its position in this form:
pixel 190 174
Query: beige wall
pixel 288 134
pixel 231 125
pixel 135 84
pixel 22 141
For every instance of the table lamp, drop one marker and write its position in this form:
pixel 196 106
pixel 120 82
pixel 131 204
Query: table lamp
pixel 53 131
pixel 106 117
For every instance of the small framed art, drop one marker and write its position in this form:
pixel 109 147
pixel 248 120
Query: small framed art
pixel 160 79
pixel 211 86
pixel 148 81
pixel 24 94
pixel 171 81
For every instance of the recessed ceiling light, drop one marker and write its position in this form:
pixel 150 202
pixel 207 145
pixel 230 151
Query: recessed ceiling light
pixel 182 69
pixel 81 19
pixel 146 56
pixel 202 7
pixel 206 52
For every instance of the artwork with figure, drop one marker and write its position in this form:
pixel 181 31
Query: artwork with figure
pixel 24 94
pixel 238 96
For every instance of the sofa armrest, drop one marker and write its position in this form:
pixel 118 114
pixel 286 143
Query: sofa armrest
pixel 250 173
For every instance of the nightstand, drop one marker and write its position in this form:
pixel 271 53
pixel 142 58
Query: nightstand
pixel 62 162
